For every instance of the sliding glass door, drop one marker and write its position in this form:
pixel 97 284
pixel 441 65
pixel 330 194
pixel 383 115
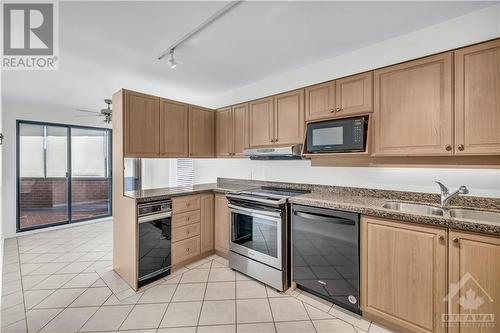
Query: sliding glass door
pixel 63 174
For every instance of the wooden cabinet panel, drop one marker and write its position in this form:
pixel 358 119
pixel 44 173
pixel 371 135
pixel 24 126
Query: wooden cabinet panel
pixel 185 203
pixel 179 220
pixel 473 272
pixel 261 114
pixel 201 132
pixel 207 222
pixel 224 132
pixel 222 220
pixel 185 249
pixel 141 125
pixel 477 99
pixel 413 110
pixel 241 134
pixel 320 101
pixel 403 274
pixel 289 117
pixel 354 94
pixel 173 128
pixel 184 232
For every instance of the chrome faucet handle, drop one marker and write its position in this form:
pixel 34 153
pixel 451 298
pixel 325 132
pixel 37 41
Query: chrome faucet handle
pixel 444 189
pixel 463 190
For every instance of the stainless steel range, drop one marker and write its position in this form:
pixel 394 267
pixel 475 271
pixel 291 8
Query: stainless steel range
pixel 260 233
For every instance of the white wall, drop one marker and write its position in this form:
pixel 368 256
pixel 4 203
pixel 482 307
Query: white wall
pixel 481 182
pixel 461 31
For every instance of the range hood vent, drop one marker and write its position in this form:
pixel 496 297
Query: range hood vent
pixel 292 152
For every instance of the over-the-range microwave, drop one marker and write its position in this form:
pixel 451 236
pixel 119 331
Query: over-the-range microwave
pixel 337 135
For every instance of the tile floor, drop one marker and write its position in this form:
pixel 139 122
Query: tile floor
pixel 61 281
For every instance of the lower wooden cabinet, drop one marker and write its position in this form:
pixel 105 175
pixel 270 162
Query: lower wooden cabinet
pixel 403 274
pixel 185 249
pixel 207 222
pixel 222 221
pixel 474 292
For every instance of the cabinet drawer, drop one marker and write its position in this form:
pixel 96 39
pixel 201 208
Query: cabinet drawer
pixel 185 249
pixel 187 231
pixel 185 204
pixel 183 219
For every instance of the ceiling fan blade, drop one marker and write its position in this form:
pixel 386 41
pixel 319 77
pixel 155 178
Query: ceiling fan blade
pixel 88 111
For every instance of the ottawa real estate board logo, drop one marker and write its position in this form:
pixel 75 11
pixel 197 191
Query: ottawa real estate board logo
pixel 30 36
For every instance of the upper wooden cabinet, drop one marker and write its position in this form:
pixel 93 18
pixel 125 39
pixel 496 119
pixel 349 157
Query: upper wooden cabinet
pixel 413 108
pixel 141 124
pixel 354 94
pixel 261 114
pixel 232 132
pixel 201 132
pixel 173 128
pixel 473 272
pixel 320 101
pixel 347 96
pixel 289 120
pixel 403 274
pixel 477 99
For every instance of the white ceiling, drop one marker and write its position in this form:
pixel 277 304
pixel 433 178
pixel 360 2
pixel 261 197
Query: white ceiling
pixel 105 46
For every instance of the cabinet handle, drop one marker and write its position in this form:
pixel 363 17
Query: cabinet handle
pixel 447 147
pixel 455 239
pixel 441 238
pixel 276 140
pixel 187 249
pixel 332 110
pixel 461 147
pixel 338 109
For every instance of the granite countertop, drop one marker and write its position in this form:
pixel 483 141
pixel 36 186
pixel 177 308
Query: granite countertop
pixel 169 192
pixel 372 206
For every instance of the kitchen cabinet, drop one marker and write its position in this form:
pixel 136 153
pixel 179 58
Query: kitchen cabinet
pixel 201 132
pixel 474 269
pixel 289 123
pixel 348 96
pixel 173 128
pixel 477 99
pixel 232 132
pixel 141 125
pixel 403 274
pixel 320 101
pixel 222 221
pixel 413 108
pixel 261 113
pixel 187 226
pixel 207 222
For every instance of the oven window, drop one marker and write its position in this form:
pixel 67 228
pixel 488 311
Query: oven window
pixel 256 233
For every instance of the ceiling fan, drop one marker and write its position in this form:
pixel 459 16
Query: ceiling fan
pixel 106 113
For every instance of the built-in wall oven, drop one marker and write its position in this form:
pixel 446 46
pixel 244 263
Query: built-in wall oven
pixel 154 219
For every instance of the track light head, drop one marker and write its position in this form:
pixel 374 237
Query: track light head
pixel 171 61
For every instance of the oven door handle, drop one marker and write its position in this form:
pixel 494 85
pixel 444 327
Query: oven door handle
pixel 153 217
pixel 324 218
pixel 238 209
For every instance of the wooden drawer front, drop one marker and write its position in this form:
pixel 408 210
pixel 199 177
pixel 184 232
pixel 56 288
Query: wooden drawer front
pixel 185 204
pixel 187 231
pixel 183 219
pixel 185 249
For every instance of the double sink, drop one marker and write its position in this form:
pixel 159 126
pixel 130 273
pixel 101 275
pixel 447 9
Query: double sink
pixel 461 213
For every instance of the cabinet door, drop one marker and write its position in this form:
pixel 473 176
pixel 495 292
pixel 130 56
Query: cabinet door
pixel 224 132
pixel 413 111
pixel 477 99
pixel 262 122
pixel 474 288
pixel 289 117
pixel 320 101
pixel 173 128
pixel 403 274
pixel 207 222
pixel 201 132
pixel 241 135
pixel 141 125
pixel 222 219
pixel 354 95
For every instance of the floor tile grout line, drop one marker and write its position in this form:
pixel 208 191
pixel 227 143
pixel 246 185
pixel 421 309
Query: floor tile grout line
pixel 168 305
pixel 308 316
pixel 204 294
pixel 271 309
pixel 22 286
pixel 98 308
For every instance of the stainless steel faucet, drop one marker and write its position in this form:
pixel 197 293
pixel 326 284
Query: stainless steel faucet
pixel 446 196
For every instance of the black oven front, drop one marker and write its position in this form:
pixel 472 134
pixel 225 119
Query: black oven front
pixel 337 135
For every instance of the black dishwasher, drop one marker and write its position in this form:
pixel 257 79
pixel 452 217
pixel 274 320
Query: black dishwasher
pixel 325 249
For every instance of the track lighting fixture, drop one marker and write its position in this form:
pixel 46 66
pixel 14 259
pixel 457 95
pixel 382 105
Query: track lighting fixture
pixel 171 61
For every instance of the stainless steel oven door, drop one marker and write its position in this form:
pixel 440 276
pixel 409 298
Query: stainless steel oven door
pixel 257 234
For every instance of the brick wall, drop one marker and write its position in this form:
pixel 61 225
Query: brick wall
pixel 48 192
